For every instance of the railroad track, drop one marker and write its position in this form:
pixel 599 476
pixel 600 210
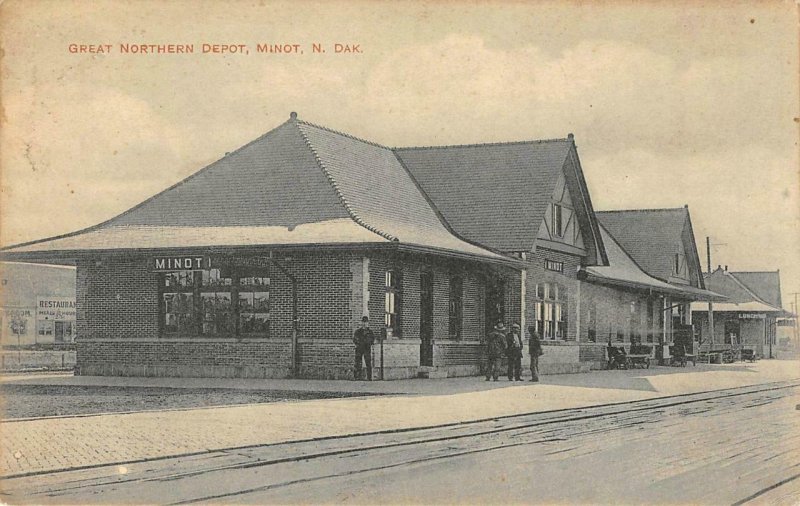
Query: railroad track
pixel 379 451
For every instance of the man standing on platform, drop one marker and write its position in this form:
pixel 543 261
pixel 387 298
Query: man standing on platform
pixel 514 353
pixel 363 339
pixel 535 349
pixel 495 347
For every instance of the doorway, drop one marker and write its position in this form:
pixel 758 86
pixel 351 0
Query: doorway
pixel 495 302
pixel 426 318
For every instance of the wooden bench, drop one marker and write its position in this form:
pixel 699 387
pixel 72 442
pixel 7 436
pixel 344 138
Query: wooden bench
pixel 748 354
pixel 640 359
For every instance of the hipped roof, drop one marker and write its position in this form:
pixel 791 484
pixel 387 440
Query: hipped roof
pixel 298 184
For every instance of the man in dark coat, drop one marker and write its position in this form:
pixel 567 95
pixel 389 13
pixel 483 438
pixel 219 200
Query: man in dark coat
pixel 514 353
pixel 363 339
pixel 495 347
pixel 535 350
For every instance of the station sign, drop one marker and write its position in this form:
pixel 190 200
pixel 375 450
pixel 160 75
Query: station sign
pixel 181 263
pixel 202 263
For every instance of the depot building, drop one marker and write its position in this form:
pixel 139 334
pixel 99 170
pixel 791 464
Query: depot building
pixel 263 263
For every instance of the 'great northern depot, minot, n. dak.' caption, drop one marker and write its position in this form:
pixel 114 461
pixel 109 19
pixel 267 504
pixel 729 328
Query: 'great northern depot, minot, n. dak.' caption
pixel 217 49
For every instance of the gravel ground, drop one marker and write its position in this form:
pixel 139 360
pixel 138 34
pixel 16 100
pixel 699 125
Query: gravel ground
pixel 31 401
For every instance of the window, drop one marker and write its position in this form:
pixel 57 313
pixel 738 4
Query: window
pixel 254 304
pixel 679 265
pixel 456 306
pixel 44 328
pixel 650 310
pixel 216 302
pixel 551 313
pixel 557 223
pixel 392 302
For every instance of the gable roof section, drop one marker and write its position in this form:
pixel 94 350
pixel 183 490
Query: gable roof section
pixel 298 184
pixel 493 194
pixel 725 283
pixel 623 270
pixel 766 285
pixel 740 296
pixel 648 235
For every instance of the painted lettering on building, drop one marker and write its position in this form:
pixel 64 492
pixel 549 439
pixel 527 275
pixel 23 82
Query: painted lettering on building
pixel 181 263
pixel 55 308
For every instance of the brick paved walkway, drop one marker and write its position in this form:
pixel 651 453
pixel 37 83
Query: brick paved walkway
pixel 62 443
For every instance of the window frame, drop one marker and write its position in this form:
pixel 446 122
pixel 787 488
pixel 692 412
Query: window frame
pixel 558 220
pixel 393 296
pixel 551 307
pixel 199 315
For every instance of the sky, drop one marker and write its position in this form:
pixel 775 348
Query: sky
pixel 671 104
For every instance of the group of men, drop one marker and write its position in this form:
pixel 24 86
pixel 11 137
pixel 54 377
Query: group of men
pixel 498 343
pixel 511 344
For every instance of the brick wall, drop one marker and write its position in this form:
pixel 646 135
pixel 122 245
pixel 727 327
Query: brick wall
pixel 538 274
pixel 117 321
pixel 116 298
pixel 118 318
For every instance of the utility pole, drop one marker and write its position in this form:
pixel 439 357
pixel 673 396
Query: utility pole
pixel 710 305
pixel 794 312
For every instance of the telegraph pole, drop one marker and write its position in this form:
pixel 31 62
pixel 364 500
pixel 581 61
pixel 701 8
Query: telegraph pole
pixel 794 312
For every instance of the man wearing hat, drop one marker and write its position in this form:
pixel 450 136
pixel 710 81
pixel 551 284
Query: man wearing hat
pixel 363 339
pixel 514 353
pixel 495 347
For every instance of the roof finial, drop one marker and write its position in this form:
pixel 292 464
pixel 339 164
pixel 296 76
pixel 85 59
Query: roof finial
pixel 292 115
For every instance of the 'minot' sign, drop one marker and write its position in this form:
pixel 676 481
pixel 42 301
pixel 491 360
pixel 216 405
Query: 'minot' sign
pixel 181 263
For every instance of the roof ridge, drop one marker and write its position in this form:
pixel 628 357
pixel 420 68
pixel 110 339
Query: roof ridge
pixel 335 185
pixel 483 144
pixel 343 134
pixel 755 272
pixel 645 210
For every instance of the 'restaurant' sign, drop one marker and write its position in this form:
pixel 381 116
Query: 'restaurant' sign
pixel 752 316
pixel 55 308
pixel 181 263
